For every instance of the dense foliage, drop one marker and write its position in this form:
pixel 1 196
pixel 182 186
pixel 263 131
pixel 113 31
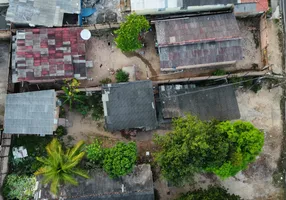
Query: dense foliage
pixel 19 187
pixel 121 76
pixel 195 146
pixel 105 81
pixel 71 91
pixel 61 131
pixel 212 193
pixel 90 104
pixel 120 159
pixel 128 35
pixel 60 166
pixel 94 152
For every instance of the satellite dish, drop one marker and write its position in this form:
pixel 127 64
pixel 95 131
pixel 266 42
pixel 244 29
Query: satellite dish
pixel 85 34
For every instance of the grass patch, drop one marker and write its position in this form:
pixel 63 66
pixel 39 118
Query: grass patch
pixel 35 146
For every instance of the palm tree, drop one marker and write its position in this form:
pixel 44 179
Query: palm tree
pixel 59 166
pixel 71 92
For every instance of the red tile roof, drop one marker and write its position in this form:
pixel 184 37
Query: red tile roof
pixel 261 5
pixel 48 53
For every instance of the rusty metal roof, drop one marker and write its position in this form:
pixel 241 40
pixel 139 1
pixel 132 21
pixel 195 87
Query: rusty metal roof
pixel 49 53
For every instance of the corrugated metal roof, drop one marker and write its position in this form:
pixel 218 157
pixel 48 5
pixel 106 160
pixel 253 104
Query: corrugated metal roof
pixel 30 113
pixel 129 105
pixel 198 40
pixel 137 186
pixel 196 29
pixel 41 12
pixel 207 103
pixel 54 53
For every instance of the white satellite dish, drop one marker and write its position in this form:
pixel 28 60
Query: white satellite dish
pixel 85 34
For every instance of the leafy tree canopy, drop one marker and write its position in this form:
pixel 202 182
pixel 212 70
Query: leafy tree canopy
pixel 120 159
pixel 128 35
pixel 60 166
pixel 94 152
pixel 19 187
pixel 71 91
pixel 196 146
pixel 121 76
pixel 212 193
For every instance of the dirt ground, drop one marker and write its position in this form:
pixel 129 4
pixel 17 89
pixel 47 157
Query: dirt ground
pixel 107 59
pixel 250 34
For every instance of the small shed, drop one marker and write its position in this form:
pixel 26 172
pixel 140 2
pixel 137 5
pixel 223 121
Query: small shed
pixel 31 113
pixel 129 105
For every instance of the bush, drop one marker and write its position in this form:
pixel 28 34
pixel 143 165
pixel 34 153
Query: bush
pixel 219 72
pixel 94 152
pixel 105 81
pixel 61 131
pixel 128 34
pixel 121 76
pixel 212 193
pixel 195 146
pixel 19 187
pixel 120 159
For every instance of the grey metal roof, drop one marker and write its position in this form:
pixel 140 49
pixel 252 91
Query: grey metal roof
pixel 41 12
pixel 129 105
pixel 196 29
pixel 30 113
pixel 207 103
pixel 137 186
pixel 198 40
pixel 200 53
pixel 187 3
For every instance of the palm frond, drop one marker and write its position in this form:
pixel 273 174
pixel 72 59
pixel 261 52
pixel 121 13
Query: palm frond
pixel 80 172
pixel 69 179
pixel 73 151
pixel 55 185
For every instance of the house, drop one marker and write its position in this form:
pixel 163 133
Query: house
pixel 31 113
pixel 217 102
pixel 161 7
pixel 199 41
pixel 129 105
pixel 48 54
pixel 136 186
pixel 41 12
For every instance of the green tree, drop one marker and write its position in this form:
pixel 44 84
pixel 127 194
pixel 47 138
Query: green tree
pixel 60 166
pixel 195 146
pixel 212 193
pixel 120 159
pixel 121 76
pixel 71 91
pixel 245 142
pixel 19 187
pixel 129 32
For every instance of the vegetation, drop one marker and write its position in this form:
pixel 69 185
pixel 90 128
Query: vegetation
pixel 105 81
pixel 219 72
pixel 120 159
pixel 59 167
pixel 35 146
pixel 195 146
pixel 19 187
pixel 90 104
pixel 94 152
pixel 121 76
pixel 129 33
pixel 71 92
pixel 212 193
pixel 61 131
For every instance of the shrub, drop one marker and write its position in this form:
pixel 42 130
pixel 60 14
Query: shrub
pixel 120 159
pixel 121 76
pixel 212 193
pixel 94 152
pixel 19 187
pixel 105 81
pixel 61 131
pixel 219 72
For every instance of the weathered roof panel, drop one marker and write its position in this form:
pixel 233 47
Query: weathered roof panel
pixel 129 105
pixel 30 113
